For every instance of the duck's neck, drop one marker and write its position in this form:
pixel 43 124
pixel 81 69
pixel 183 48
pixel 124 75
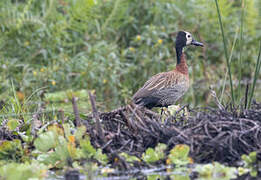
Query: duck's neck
pixel 181 61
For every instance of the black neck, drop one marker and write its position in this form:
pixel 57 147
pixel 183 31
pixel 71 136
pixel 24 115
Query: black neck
pixel 179 53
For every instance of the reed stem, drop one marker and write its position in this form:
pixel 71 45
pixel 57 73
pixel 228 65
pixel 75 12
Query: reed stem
pixel 226 54
pixel 258 65
pixel 240 48
pixel 230 57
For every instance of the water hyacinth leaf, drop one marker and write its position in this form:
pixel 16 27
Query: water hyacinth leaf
pixel 151 155
pixel 88 149
pixel 80 132
pixel 12 124
pixel 57 129
pixel 62 149
pixel 11 150
pixel 129 158
pixel 249 163
pixel 252 156
pixel 46 141
pixel 184 176
pixel 102 158
pixel 241 171
pixel 154 177
pixel 23 171
pixel 49 158
pixel 219 171
pixel 179 155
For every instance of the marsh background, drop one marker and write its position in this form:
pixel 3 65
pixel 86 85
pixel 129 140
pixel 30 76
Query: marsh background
pixel 52 50
pixel 114 46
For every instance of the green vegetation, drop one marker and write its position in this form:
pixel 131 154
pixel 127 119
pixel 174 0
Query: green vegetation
pixel 112 47
pixel 51 51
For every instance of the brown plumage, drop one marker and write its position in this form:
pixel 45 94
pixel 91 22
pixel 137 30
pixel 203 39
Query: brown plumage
pixel 165 88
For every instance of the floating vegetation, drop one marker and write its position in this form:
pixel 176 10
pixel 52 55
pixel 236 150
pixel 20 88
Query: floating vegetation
pixel 132 141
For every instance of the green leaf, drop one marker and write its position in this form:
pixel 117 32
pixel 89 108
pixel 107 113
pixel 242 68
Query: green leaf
pixel 215 171
pixel 48 158
pixel 151 155
pixel 154 177
pixel 102 158
pixel 11 150
pixel 23 171
pixel 179 155
pixel 129 158
pixel 88 149
pixel 46 141
pixel 62 150
pixel 252 156
pixel 67 130
pixel 12 124
pixel 80 132
pixel 253 173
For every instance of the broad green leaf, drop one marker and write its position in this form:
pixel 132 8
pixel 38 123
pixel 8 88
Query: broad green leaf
pixel 87 148
pixel 80 132
pixel 11 150
pixel 23 171
pixel 152 155
pixel 102 158
pixel 12 124
pixel 179 155
pixel 46 141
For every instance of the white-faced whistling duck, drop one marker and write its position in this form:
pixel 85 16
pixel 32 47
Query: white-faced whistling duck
pixel 164 89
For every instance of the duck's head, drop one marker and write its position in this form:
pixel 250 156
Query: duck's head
pixel 184 39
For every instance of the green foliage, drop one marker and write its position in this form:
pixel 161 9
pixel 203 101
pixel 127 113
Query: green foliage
pixel 153 155
pixel 11 150
pixel 90 44
pixel 215 171
pixel 46 141
pixel 57 145
pixel 129 158
pixel 250 162
pixel 179 155
pixel 63 100
pixel 51 50
pixel 23 171
pixel 12 124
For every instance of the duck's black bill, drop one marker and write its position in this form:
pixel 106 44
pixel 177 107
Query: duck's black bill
pixel 195 43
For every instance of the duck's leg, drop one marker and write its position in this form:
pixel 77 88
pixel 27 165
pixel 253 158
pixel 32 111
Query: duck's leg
pixel 165 111
pixel 161 111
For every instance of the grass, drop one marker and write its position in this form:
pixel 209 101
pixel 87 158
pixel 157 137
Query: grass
pixel 228 60
pixel 51 50
pixel 226 54
pixel 257 70
pixel 230 57
pixel 241 48
pixel 87 45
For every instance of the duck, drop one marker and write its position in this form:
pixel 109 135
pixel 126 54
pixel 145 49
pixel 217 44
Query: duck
pixel 165 88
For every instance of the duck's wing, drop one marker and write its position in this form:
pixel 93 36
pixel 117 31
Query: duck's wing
pixel 155 83
pixel 158 82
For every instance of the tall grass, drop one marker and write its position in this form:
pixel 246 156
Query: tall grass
pixel 230 57
pixel 226 54
pixel 240 48
pixel 258 65
pixel 88 44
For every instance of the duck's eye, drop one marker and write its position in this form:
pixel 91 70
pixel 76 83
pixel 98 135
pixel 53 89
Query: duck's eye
pixel 189 36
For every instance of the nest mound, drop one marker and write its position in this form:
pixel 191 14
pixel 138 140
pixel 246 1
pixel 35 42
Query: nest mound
pixel 212 134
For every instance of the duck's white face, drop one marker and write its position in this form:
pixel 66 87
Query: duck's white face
pixel 189 38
